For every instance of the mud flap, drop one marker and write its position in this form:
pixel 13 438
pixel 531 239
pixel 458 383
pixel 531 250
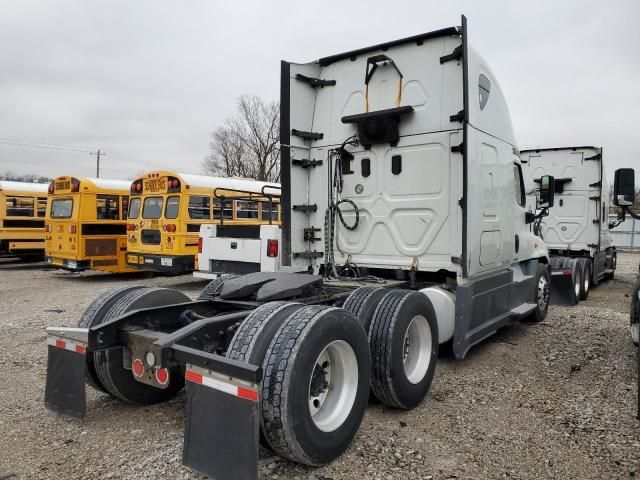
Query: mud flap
pixel 65 391
pixel 562 287
pixel 221 426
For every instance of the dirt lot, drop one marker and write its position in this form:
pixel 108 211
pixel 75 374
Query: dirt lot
pixel 555 400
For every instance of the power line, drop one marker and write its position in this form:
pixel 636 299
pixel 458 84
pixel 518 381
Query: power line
pixel 44 146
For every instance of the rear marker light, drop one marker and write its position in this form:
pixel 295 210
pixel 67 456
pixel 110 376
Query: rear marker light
pixel 199 244
pixel 272 248
pixel 70 345
pixel 137 367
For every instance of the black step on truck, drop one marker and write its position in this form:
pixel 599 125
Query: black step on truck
pixel 403 230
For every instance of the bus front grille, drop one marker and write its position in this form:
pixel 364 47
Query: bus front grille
pixel 100 247
pixel 150 237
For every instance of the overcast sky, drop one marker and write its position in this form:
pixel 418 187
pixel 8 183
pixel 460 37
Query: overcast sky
pixel 146 81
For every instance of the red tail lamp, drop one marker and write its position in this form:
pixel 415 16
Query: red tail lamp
pixel 138 367
pixel 199 244
pixel 272 248
pixel 162 376
pixel 171 227
pixel 72 229
pixel 52 188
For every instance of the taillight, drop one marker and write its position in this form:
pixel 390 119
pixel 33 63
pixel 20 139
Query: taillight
pixel 199 244
pixel 51 188
pixel 47 228
pixel 272 248
pixel 171 228
pixel 72 229
pixel 131 227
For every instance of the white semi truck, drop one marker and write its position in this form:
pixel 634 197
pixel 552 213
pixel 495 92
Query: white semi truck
pixel 576 227
pixel 404 205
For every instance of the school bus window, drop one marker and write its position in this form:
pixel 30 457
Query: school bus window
pixel 152 207
pixel 125 206
pixel 227 211
pixel 42 207
pixel 61 208
pixel 19 207
pixel 246 209
pixel 173 207
pixel 269 209
pixel 134 208
pixel 199 207
pixel 107 207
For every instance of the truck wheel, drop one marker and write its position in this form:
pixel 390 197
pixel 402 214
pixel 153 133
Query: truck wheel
pixel 363 302
pixel 543 286
pixel 213 288
pixel 403 338
pixel 635 313
pixel 252 339
pixel 94 315
pixel 572 263
pixel 109 364
pixel 587 273
pixel 614 264
pixel 316 384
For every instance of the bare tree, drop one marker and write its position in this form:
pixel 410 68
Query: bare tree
pixel 246 145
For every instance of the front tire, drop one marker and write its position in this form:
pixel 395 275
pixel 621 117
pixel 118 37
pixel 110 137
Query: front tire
pixel 403 339
pixel 316 384
pixel 542 294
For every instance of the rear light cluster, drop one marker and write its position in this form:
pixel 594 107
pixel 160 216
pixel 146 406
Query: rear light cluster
pixel 72 229
pixel 47 228
pixel 169 227
pixel 199 244
pixel 131 227
pixel 272 248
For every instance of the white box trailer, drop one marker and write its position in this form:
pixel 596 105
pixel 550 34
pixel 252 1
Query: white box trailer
pixel 403 201
pixel 576 228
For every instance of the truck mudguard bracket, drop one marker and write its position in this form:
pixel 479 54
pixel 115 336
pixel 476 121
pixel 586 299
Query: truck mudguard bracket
pixel 307 135
pixel 455 55
pixel 315 82
pixel 305 208
pixel 222 425
pixel 306 163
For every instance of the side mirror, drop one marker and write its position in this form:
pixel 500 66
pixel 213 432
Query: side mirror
pixel 547 191
pixel 624 190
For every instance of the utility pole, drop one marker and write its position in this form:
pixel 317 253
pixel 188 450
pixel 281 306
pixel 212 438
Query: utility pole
pixel 98 154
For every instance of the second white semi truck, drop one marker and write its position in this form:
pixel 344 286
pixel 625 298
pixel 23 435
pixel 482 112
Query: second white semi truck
pixel 576 227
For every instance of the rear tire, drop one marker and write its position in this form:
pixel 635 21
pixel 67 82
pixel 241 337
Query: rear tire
pixel 542 294
pixel 634 314
pixel 94 315
pixel 572 263
pixel 363 302
pixel 587 274
pixel 404 348
pixel 316 384
pixel 113 376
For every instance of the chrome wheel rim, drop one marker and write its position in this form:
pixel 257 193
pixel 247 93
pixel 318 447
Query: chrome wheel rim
pixel 543 293
pixel 587 277
pixel 333 386
pixel 416 355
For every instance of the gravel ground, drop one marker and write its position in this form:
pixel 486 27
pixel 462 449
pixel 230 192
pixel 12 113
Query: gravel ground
pixel 554 400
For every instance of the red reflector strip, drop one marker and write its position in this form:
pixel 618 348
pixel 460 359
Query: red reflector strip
pixel 226 387
pixel 192 376
pixel 72 346
pixel 248 394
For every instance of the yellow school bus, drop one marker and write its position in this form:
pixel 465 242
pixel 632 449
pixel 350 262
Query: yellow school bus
pixel 166 210
pixel 22 210
pixel 86 224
